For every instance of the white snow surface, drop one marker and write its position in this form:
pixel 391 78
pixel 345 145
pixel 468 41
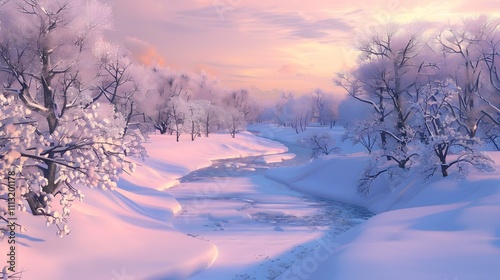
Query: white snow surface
pixel 441 228
pixel 277 158
pixel 127 233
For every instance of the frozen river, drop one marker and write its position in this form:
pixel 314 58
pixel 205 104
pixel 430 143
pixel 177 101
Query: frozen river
pixel 260 227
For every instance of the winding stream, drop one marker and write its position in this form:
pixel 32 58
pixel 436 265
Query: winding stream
pixel 259 226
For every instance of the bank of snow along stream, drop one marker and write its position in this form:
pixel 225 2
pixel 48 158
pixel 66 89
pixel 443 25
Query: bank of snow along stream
pixel 261 227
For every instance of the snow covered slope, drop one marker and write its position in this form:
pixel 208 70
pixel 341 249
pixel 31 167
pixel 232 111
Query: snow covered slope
pixel 127 233
pixel 443 228
pixel 437 229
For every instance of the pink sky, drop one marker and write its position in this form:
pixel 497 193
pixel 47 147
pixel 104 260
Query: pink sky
pixel 267 46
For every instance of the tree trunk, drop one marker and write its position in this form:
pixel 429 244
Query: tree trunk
pixel 305 122
pixel 34 202
pixel 50 174
pixel 444 170
pixel 193 133
pixel 383 138
pixel 207 124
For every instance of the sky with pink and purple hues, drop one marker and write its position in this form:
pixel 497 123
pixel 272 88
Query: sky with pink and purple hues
pixel 267 46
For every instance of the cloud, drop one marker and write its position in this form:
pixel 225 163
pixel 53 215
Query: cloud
pixel 151 57
pixel 135 43
pixel 293 24
pixel 479 7
pixel 267 43
pixel 289 69
pixel 144 52
pixel 208 12
pixel 298 26
pixel 207 18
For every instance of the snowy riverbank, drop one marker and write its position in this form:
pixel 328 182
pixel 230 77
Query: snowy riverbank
pixel 443 228
pixel 436 229
pixel 128 232
pixel 260 227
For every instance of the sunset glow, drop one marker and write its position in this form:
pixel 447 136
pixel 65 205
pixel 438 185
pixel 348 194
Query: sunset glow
pixel 236 139
pixel 272 46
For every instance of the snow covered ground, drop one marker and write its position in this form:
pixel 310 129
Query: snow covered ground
pixel 128 233
pixel 437 229
pixel 242 220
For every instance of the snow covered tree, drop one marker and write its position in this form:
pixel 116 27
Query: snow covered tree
pixel 55 134
pixel 442 135
pixel 156 100
pixel 121 83
pixel 492 135
pixel 301 111
pixel 424 93
pixel 323 109
pixel 175 102
pixel 295 111
pixel 205 94
pixel 318 108
pixel 469 51
pixel 330 112
pixel 195 109
pixel 321 144
pixel 236 108
pixel 204 87
pixel 490 96
pixel 234 120
pixel 364 133
pixel 391 63
pixel 178 110
pixel 178 84
pixel 373 100
pixel 210 116
pixel 113 72
pixel 392 67
pixel 282 109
